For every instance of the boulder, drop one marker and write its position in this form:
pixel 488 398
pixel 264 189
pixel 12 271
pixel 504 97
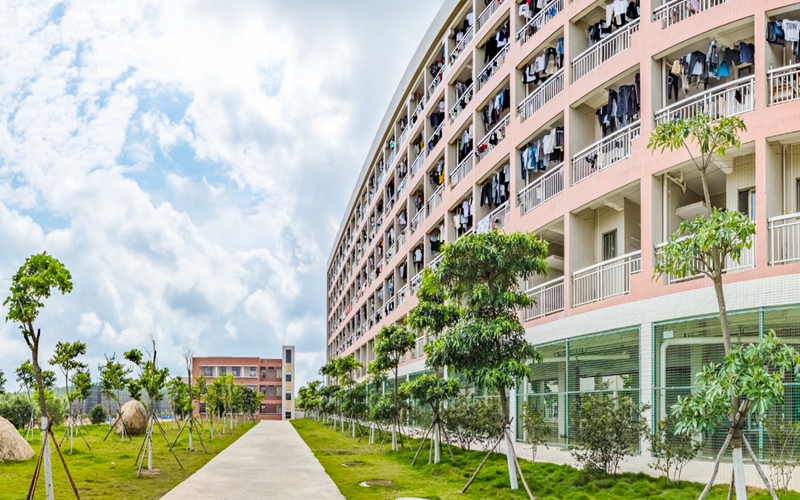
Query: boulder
pixel 13 447
pixel 135 417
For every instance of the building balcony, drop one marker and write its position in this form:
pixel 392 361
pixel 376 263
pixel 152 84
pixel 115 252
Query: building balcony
pixel 418 351
pixel 390 160
pixel 401 185
pixel 435 262
pixel 435 137
pixel 541 190
pixel 488 12
pixel 495 220
pixel 414 283
pixel 461 171
pixel 417 221
pixel 541 95
pixel 605 152
pixel 401 295
pixel 417 163
pixel 730 99
pixel 461 102
pixel 458 50
pixel 784 239
pixel 675 11
pixel 549 299
pixel 435 200
pixel 538 21
pixel 591 58
pixel 606 279
pixel 434 85
pixel 493 138
pixel 784 84
pixel 419 109
pixel 746 262
pixel 403 137
pixel 491 68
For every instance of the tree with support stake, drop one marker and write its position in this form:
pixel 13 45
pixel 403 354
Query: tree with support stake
pixel 391 345
pixel 478 278
pixel 113 378
pixel 433 391
pixel 66 358
pixel 82 383
pixel 703 245
pixel 35 281
pixel 27 382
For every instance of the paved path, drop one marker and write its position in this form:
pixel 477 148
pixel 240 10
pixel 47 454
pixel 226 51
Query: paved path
pixel 271 460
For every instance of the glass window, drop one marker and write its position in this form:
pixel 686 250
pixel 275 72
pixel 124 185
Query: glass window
pixel 271 391
pixel 207 371
pixel 262 389
pixel 252 371
pixel 271 372
pixel 236 371
pixel 289 415
pixel 610 245
pixel 263 373
pixel 288 355
pixel 222 370
pixel 288 396
pixel 747 203
pixel 288 377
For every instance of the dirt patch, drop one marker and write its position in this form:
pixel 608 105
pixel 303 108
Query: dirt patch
pixel 353 464
pixel 154 472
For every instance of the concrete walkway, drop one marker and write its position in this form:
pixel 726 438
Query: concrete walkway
pixel 271 460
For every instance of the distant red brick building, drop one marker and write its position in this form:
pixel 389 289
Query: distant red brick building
pixel 273 378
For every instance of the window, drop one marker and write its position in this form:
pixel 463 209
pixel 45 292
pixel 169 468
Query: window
pixel 263 409
pixel 251 371
pixel 236 371
pixel 252 388
pixel 747 202
pixel 271 372
pixel 288 396
pixel 207 371
pixel 288 377
pixel 278 373
pixel 263 373
pixel 288 355
pixel 271 391
pixel 202 407
pixel 288 415
pixel 222 370
pixel 262 389
pixel 610 245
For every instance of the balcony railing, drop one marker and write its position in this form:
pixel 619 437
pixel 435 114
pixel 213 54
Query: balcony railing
pixel 392 156
pixel 403 137
pixel 435 200
pixel 486 144
pixel 538 21
pixel 488 12
pixel 417 163
pixel 784 239
pixel 435 262
pixel 542 189
pixel 401 239
pixel 605 152
pixel 417 220
pixel 605 280
pixel 730 99
pixel 461 170
pixel 437 132
pixel 491 69
pixel 542 95
pixel 434 84
pixel 414 283
pixel 676 11
pixel 390 251
pixel 401 295
pixel 747 261
pixel 460 46
pixel 549 299
pixel 495 220
pixel 784 84
pixel 401 185
pixel 419 109
pixel 418 351
pixel 461 102
pixel 604 50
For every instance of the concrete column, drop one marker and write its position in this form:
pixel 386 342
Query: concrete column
pixel 646 382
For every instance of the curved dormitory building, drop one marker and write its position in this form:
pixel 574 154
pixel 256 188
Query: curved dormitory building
pixel 535 116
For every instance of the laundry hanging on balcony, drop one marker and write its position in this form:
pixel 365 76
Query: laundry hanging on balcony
pixel 419 200
pixel 418 144
pixel 622 108
pixel 541 153
pixel 437 174
pixel 402 271
pixel 618 14
pixel 401 221
pixel 464 145
pixel 781 31
pixel 717 63
pixel 496 43
pixel 495 192
pixel 545 65
pixel 529 8
pixel 463 96
pixel 462 219
pixel 493 111
pixel 418 258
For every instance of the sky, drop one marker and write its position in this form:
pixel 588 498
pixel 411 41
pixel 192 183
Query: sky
pixel 189 162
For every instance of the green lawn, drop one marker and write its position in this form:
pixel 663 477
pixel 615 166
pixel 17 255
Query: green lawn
pixel 444 481
pixel 107 471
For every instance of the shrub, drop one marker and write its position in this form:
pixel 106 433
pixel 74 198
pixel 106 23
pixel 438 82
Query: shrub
pixel 783 437
pixel 536 428
pixel 608 429
pixel 672 452
pixel 16 409
pixel 471 421
pixel 98 414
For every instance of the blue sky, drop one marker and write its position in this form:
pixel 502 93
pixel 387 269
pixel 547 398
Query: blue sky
pixel 189 162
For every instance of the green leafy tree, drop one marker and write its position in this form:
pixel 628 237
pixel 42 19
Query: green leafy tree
pixel 308 398
pixel 472 421
pixel 2 382
pixel 702 246
pixel 783 437
pixel 98 414
pixel 113 376
pixel 485 342
pixel 751 375
pixel 345 368
pixel 672 451
pixel 536 428
pixel 31 284
pixel 82 383
pixel 391 345
pixel 66 358
pixel 178 393
pixel 16 409
pixel 432 391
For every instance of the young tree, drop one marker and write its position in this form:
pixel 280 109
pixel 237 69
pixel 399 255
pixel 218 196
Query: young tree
pixel 751 375
pixel 536 428
pixel 433 391
pixel 701 246
pixel 485 342
pixel 672 451
pixel 391 345
pixel 178 393
pixel 34 282
pixel 66 358
pixel 113 379
pixel 344 369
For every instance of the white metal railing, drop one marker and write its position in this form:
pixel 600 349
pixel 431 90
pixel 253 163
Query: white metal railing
pixel 542 95
pixel 435 262
pixel 747 261
pixel 436 132
pixel 606 279
pixel 388 303
pixel 461 170
pixel 605 152
pixel 541 190
pixel 488 12
pixel 435 199
pixel 434 84
pixel 730 99
pixel 392 156
pixel 417 163
pixel 490 69
pixel 603 50
pixel 784 84
pixel 460 46
pixel 390 251
pixel 401 295
pixel 675 11
pixel 418 348
pixel 495 220
pixel 461 102
pixel 401 185
pixel 403 137
pixel 485 146
pixel 380 178
pixel 418 110
pixel 417 220
pixel 549 299
pixel 401 239
pixel 414 283
pixel 538 21
pixel 784 239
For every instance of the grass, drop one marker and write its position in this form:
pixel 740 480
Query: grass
pixel 108 471
pixel 444 481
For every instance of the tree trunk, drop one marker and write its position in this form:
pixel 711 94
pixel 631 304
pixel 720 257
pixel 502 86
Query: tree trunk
pixel 512 468
pixel 394 407
pixel 706 195
pixel 37 372
pixel 436 443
